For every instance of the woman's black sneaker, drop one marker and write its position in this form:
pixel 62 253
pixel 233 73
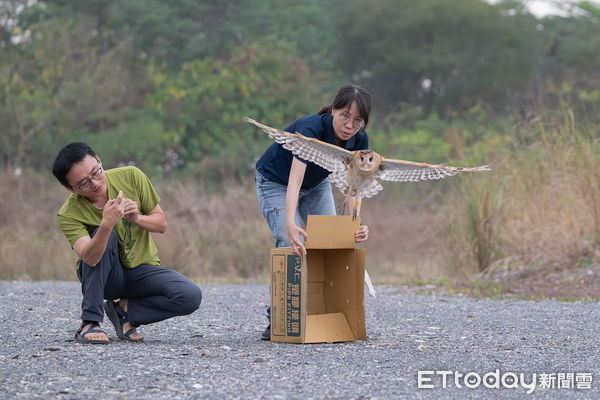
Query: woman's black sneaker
pixel 266 335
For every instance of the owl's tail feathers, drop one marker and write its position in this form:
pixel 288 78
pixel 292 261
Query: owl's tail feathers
pixel 372 189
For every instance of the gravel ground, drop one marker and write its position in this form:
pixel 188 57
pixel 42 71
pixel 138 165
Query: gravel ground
pixel 216 352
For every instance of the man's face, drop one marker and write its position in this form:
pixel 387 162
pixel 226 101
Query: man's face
pixel 87 177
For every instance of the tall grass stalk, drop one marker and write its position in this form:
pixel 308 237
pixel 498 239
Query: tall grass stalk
pixel 473 214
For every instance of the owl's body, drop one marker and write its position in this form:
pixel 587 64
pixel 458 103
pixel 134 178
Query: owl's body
pixel 357 179
pixel 355 173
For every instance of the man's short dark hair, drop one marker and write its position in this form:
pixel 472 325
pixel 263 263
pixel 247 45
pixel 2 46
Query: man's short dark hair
pixel 66 157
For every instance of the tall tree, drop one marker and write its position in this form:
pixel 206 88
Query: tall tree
pixel 447 56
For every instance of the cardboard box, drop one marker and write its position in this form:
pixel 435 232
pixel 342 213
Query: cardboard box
pixel 320 298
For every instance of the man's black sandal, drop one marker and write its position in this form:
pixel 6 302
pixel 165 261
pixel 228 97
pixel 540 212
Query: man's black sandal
pixel 118 317
pixel 95 328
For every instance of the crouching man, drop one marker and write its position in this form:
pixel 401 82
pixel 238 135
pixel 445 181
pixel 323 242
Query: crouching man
pixel 107 219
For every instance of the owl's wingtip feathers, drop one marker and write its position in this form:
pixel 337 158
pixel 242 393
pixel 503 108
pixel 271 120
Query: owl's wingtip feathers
pixel 267 129
pixel 483 168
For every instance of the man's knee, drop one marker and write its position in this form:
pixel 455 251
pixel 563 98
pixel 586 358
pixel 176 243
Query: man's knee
pixel 189 299
pixel 194 297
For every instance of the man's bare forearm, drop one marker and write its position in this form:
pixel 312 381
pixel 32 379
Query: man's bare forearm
pixel 94 249
pixel 153 222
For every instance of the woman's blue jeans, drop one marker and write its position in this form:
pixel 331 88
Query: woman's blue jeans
pixel 271 197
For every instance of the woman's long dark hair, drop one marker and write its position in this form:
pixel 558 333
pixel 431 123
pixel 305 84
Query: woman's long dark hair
pixel 346 96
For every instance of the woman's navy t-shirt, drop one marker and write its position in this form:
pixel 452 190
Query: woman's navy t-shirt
pixel 276 163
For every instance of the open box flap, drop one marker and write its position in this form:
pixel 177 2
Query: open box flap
pixel 331 231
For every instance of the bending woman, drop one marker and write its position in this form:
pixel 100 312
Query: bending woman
pixel 289 188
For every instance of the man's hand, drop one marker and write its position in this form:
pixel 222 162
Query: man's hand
pixel 362 234
pixel 294 234
pixel 113 211
pixel 131 211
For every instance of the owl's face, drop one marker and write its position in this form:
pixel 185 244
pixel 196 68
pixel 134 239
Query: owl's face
pixel 367 160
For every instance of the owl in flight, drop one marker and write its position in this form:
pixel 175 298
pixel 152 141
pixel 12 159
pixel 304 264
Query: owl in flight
pixel 355 173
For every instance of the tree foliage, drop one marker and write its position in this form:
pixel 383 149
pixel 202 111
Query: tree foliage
pixel 203 105
pixel 165 85
pixel 446 56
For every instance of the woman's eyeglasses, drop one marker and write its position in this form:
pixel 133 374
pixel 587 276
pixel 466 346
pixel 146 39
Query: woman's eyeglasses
pixel 357 123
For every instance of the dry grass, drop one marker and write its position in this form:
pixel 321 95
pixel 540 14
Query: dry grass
pixel 404 235
pixel 472 217
pixel 214 236
pixel 211 236
pixel 540 207
pixel 31 245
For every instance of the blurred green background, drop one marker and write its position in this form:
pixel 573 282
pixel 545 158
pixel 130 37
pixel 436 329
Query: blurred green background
pixel 165 85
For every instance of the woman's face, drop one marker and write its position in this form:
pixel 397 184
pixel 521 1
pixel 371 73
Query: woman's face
pixel 347 122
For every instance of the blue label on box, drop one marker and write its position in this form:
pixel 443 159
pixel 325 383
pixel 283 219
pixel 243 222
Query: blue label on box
pixel 293 299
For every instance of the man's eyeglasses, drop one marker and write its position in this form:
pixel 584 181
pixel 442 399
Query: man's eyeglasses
pixel 93 177
pixel 357 123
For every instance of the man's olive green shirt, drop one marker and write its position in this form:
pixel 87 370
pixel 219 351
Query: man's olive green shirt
pixel 79 218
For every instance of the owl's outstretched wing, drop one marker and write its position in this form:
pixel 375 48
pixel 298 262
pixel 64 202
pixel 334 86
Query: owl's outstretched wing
pixel 325 155
pixel 409 171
